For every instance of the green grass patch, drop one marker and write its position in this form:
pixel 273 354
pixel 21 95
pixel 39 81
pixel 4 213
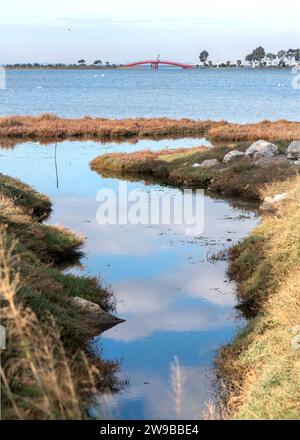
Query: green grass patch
pixel 36 204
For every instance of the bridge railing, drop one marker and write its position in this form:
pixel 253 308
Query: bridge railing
pixel 157 62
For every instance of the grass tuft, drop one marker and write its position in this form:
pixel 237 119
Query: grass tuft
pixel 34 203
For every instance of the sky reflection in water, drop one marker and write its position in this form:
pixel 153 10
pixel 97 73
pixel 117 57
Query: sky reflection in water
pixel 176 302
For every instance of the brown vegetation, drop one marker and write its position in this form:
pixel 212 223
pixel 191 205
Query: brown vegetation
pixel 50 126
pixel 268 130
pixel 241 177
pixel 260 370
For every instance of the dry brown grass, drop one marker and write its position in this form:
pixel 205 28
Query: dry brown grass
pixel 39 380
pixel 50 126
pixel 268 130
pixel 261 369
pixel 263 260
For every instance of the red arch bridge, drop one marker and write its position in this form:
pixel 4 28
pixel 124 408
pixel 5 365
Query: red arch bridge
pixel 154 64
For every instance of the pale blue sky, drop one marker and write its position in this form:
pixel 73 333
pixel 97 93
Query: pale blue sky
pixel 125 30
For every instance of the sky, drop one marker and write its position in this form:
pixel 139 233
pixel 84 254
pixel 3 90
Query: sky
pixel 120 31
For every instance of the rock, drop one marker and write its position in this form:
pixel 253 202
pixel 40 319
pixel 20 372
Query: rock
pixel 280 197
pixel 276 198
pixel 266 152
pixel 209 163
pixel 293 151
pixel 266 161
pixel 262 149
pixel 85 305
pixel 232 155
pixel 94 314
pixel 196 165
pixel 269 203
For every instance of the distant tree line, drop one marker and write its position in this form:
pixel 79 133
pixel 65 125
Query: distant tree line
pixel 258 58
pixel 80 63
pixel 284 57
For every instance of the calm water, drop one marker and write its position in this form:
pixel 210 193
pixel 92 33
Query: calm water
pixel 176 302
pixel 235 95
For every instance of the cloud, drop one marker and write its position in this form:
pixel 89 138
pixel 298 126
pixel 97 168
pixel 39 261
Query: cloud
pixel 157 396
pixel 156 305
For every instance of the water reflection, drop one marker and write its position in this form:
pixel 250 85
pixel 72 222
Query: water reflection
pixel 161 399
pixel 176 301
pixel 153 142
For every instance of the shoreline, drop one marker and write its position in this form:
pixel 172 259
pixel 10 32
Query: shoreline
pixel 92 67
pixel 39 298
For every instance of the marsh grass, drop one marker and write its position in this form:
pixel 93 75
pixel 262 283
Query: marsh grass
pixel 44 287
pixel 49 126
pixel 34 203
pixel 45 370
pixel 241 177
pixel 269 130
pixel 9 121
pixel 22 209
pixel 40 380
pixel 260 369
